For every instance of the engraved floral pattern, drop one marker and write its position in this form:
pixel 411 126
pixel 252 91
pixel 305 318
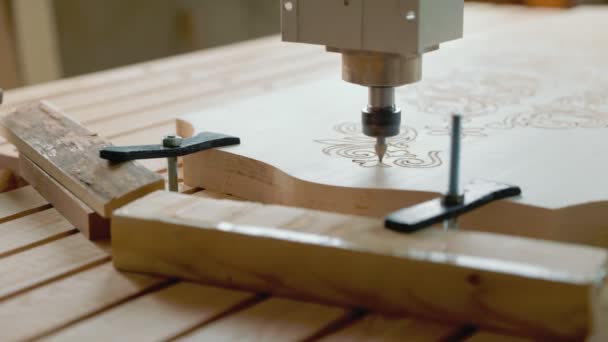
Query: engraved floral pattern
pixel 359 148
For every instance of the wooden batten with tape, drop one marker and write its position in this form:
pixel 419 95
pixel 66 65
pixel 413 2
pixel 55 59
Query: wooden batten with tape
pixel 91 224
pixel 517 285
pixel 69 153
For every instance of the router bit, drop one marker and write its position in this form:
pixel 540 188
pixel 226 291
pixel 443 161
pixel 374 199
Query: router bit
pixel 381 42
pixel 381 118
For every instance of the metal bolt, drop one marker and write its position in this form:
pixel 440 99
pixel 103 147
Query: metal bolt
pixel 454 197
pixel 172 141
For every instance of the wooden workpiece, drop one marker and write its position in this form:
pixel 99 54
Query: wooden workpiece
pixel 356 262
pixel 137 105
pixel 528 121
pixel 69 153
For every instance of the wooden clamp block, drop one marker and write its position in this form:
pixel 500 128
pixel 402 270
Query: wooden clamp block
pixel 91 224
pixel 525 287
pixel 69 153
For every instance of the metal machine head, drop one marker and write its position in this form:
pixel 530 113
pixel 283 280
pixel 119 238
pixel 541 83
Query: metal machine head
pixel 381 42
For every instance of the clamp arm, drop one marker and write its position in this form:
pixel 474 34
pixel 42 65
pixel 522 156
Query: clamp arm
pixel 200 142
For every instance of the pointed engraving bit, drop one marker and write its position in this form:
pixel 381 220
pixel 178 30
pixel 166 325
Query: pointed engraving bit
pixel 381 148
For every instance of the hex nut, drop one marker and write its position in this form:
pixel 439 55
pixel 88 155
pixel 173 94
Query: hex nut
pixel 172 141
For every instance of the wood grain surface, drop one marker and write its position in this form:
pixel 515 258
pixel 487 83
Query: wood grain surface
pixel 498 282
pixel 70 154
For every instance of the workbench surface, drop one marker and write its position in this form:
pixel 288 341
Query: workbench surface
pixel 56 284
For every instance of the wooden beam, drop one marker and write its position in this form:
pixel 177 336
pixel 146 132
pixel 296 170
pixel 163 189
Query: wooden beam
pixel 499 282
pixel 70 154
pixel 91 224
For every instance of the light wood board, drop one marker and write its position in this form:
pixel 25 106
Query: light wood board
pixel 495 281
pixel 531 119
pixel 91 224
pixel 70 154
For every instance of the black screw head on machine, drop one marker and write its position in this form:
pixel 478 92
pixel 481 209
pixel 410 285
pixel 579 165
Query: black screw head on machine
pixel 447 208
pixel 172 146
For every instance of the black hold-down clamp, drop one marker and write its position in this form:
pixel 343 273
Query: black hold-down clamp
pixel 173 146
pixel 454 203
pixel 426 214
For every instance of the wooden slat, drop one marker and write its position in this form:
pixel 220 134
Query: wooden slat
pixel 195 82
pixel 91 85
pixel 70 154
pixel 379 328
pixel 21 271
pixel 32 230
pixel 153 109
pixel 499 282
pixel 272 320
pixel 156 316
pixel 91 224
pixel 41 91
pixel 20 202
pixel 45 309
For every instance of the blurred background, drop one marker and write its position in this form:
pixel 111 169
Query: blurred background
pixel 44 40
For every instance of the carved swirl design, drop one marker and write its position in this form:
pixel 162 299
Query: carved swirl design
pixel 492 100
pixel 355 146
pixel 470 91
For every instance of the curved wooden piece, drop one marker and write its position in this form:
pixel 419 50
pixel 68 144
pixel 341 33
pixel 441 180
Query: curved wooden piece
pixel 530 122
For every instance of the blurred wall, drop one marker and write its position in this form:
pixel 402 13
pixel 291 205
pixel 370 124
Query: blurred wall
pixel 100 34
